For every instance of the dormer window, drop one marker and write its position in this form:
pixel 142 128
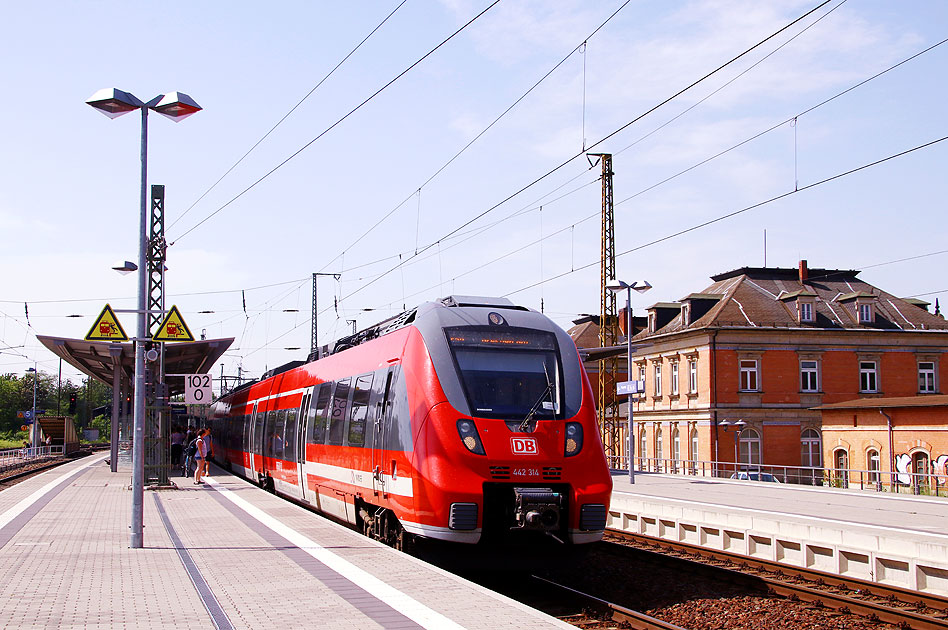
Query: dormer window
pixel 651 322
pixel 865 313
pixel 806 312
pixel 686 314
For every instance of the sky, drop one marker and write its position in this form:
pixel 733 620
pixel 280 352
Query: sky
pixel 414 176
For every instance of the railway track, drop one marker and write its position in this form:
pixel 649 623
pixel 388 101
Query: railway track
pixel 634 619
pixel 878 602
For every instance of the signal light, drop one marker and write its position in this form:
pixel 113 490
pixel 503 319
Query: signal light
pixel 72 403
pixel 469 436
pixel 574 439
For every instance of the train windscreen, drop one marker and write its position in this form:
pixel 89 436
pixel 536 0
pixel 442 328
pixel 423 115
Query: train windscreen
pixel 508 373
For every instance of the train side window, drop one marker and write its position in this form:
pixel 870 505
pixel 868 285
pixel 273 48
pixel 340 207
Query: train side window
pixel 278 432
pixel 360 410
pixel 289 440
pixel 319 415
pixel 258 433
pixel 337 420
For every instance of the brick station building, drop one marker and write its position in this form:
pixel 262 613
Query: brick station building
pixel 735 372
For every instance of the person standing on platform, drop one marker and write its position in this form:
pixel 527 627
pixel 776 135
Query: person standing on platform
pixel 200 454
pixel 209 447
pixel 177 445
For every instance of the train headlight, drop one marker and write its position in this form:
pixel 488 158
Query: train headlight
pixel 574 438
pixel 469 436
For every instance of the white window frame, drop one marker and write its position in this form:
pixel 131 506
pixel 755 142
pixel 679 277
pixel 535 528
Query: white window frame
pixel 673 389
pixel 809 375
pixel 869 377
pixel 806 311
pixel 749 368
pixel 811 445
pixel 692 376
pixel 657 371
pixel 926 377
pixel 749 447
pixel 865 313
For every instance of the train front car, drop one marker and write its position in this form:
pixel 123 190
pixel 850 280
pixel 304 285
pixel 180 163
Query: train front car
pixel 509 447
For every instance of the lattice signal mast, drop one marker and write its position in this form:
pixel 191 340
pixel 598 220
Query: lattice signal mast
pixel 608 407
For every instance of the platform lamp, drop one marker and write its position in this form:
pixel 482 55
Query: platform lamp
pixel 739 427
pixel 617 286
pixel 177 106
pixel 35 433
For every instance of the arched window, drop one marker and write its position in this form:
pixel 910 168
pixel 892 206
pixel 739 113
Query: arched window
pixel 643 449
pixel 659 452
pixel 676 449
pixel 750 447
pixel 694 451
pixel 811 450
pixel 873 465
pixel 841 468
pixel 920 469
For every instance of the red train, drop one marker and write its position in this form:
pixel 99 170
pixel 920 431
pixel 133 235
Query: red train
pixel 469 419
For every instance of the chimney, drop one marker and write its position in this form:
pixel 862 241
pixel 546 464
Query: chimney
pixel 804 272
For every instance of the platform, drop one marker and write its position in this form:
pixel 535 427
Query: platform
pixel 900 540
pixel 224 555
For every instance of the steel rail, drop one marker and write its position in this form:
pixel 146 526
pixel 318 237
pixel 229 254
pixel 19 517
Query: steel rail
pixel 890 612
pixel 635 619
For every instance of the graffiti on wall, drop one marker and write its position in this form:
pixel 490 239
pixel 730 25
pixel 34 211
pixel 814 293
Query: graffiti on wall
pixel 903 467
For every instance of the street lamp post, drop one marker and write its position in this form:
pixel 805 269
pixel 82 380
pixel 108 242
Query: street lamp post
pixel 616 286
pixel 177 106
pixel 35 433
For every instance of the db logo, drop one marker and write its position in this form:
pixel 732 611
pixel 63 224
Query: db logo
pixel 523 446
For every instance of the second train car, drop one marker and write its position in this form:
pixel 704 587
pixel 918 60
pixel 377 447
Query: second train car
pixel 468 420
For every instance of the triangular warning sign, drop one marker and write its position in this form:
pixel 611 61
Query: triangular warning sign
pixel 106 327
pixel 173 328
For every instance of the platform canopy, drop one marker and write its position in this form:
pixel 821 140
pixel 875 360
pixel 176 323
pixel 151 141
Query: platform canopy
pixel 98 358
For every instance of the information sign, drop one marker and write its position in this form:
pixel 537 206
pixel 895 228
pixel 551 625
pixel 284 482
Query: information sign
pixel 106 327
pixel 173 328
pixel 197 389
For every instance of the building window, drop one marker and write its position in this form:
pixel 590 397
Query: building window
pixel 872 463
pixel 643 449
pixel 676 449
pixel 685 314
pixel 811 451
pixel 868 377
pixel 750 447
pixel 926 377
pixel 806 312
pixel 865 313
pixel 658 379
pixel 651 322
pixel 749 375
pixel 642 375
pixel 694 450
pixel 674 378
pixel 809 376
pixel 658 446
pixel 693 376
pixel 841 468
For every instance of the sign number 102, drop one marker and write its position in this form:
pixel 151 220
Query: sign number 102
pixel 197 389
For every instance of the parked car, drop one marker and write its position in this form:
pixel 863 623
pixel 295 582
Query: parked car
pixel 754 475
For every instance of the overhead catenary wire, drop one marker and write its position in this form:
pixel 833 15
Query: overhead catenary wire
pixel 287 115
pixel 717 219
pixel 597 143
pixel 337 123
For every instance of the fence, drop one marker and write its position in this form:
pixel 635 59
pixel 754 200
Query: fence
pixel 13 457
pixel 848 478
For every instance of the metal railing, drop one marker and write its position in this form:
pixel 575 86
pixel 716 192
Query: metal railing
pixel 923 484
pixel 13 457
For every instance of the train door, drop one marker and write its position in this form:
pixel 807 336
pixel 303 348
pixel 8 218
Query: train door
pixel 248 440
pixel 256 442
pixel 383 412
pixel 301 442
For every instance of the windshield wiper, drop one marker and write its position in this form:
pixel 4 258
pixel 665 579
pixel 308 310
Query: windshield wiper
pixel 536 406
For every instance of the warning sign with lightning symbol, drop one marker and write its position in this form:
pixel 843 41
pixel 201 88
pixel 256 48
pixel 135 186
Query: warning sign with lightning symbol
pixel 106 327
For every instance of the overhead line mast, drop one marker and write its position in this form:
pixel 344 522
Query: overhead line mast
pixel 608 407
